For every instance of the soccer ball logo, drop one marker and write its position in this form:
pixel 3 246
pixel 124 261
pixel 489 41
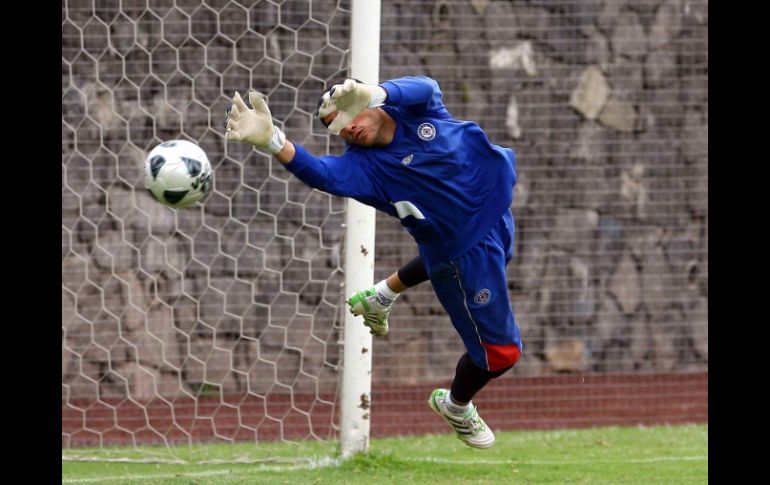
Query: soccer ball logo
pixel 177 173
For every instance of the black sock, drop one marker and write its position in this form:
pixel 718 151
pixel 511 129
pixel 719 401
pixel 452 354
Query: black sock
pixel 413 272
pixel 470 379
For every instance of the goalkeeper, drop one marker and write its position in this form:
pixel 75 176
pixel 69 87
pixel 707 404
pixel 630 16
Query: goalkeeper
pixel 451 189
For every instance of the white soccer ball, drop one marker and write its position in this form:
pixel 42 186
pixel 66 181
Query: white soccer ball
pixel 178 173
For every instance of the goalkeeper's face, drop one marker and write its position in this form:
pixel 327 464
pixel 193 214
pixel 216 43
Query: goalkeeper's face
pixel 371 128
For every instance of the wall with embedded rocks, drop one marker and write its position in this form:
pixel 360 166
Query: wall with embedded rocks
pixel 604 102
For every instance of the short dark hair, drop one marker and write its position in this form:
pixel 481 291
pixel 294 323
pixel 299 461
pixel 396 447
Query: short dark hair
pixel 328 89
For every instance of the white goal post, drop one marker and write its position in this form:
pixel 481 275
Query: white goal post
pixel 359 255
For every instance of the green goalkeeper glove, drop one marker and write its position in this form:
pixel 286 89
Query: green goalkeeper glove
pixel 254 126
pixel 349 99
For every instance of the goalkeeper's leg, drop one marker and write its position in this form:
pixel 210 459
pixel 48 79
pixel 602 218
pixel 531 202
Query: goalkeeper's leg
pixel 375 303
pixel 455 405
pixel 473 289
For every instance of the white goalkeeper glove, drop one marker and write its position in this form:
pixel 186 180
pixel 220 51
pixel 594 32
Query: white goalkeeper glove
pixel 349 99
pixel 254 126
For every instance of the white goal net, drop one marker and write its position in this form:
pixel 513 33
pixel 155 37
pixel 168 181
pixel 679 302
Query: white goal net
pixel 219 322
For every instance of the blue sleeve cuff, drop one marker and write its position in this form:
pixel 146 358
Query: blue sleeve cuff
pixel 394 93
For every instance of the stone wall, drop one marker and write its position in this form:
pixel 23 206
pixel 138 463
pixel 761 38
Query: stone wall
pixel 605 103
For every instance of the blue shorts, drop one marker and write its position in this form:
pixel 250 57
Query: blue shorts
pixel 473 290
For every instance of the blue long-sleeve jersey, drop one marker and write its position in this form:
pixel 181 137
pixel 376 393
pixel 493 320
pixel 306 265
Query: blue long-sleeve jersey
pixel 442 177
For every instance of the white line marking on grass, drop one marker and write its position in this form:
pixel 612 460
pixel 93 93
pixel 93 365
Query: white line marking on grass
pixel 309 464
pixel 328 462
pixel 147 477
pixel 656 459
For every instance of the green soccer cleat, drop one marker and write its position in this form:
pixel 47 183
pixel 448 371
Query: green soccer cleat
pixel 469 427
pixel 373 307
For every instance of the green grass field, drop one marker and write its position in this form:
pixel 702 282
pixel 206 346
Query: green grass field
pixel 633 455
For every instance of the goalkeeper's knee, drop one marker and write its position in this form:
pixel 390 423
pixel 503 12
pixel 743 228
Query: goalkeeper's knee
pixel 501 358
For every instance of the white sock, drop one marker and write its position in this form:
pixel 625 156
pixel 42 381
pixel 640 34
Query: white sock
pixel 384 294
pixel 456 408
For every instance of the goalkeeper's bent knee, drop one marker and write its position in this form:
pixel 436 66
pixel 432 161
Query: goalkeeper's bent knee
pixel 500 358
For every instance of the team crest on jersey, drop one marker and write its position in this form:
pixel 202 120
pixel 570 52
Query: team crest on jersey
pixel 426 131
pixel 407 159
pixel 482 296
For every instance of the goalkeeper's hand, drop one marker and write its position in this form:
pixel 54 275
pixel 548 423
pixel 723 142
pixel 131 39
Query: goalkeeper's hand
pixel 254 126
pixel 348 100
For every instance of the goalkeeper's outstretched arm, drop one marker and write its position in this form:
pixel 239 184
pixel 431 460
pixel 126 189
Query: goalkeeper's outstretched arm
pixel 255 126
pixel 344 176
